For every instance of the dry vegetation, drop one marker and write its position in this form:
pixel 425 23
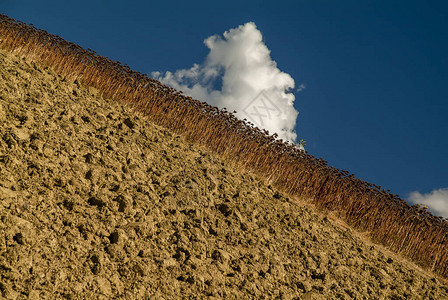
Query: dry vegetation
pixel 97 202
pixel 409 230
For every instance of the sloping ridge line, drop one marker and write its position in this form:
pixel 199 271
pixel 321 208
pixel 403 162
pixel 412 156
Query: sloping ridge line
pixel 408 230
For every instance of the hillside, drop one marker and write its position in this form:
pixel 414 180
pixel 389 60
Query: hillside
pixel 385 218
pixel 98 202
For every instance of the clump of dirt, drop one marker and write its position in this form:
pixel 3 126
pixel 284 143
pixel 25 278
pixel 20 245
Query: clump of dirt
pixel 98 202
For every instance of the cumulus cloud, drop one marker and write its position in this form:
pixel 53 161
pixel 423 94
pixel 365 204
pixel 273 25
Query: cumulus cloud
pixel 239 74
pixel 436 201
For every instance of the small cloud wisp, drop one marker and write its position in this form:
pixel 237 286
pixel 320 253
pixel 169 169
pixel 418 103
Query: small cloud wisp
pixel 436 201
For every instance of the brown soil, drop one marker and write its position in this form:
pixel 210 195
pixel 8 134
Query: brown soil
pixel 97 202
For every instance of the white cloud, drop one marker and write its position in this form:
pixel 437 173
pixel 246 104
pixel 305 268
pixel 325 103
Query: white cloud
pixel 250 82
pixel 436 201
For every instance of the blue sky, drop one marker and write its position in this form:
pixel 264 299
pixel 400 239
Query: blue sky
pixel 376 72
